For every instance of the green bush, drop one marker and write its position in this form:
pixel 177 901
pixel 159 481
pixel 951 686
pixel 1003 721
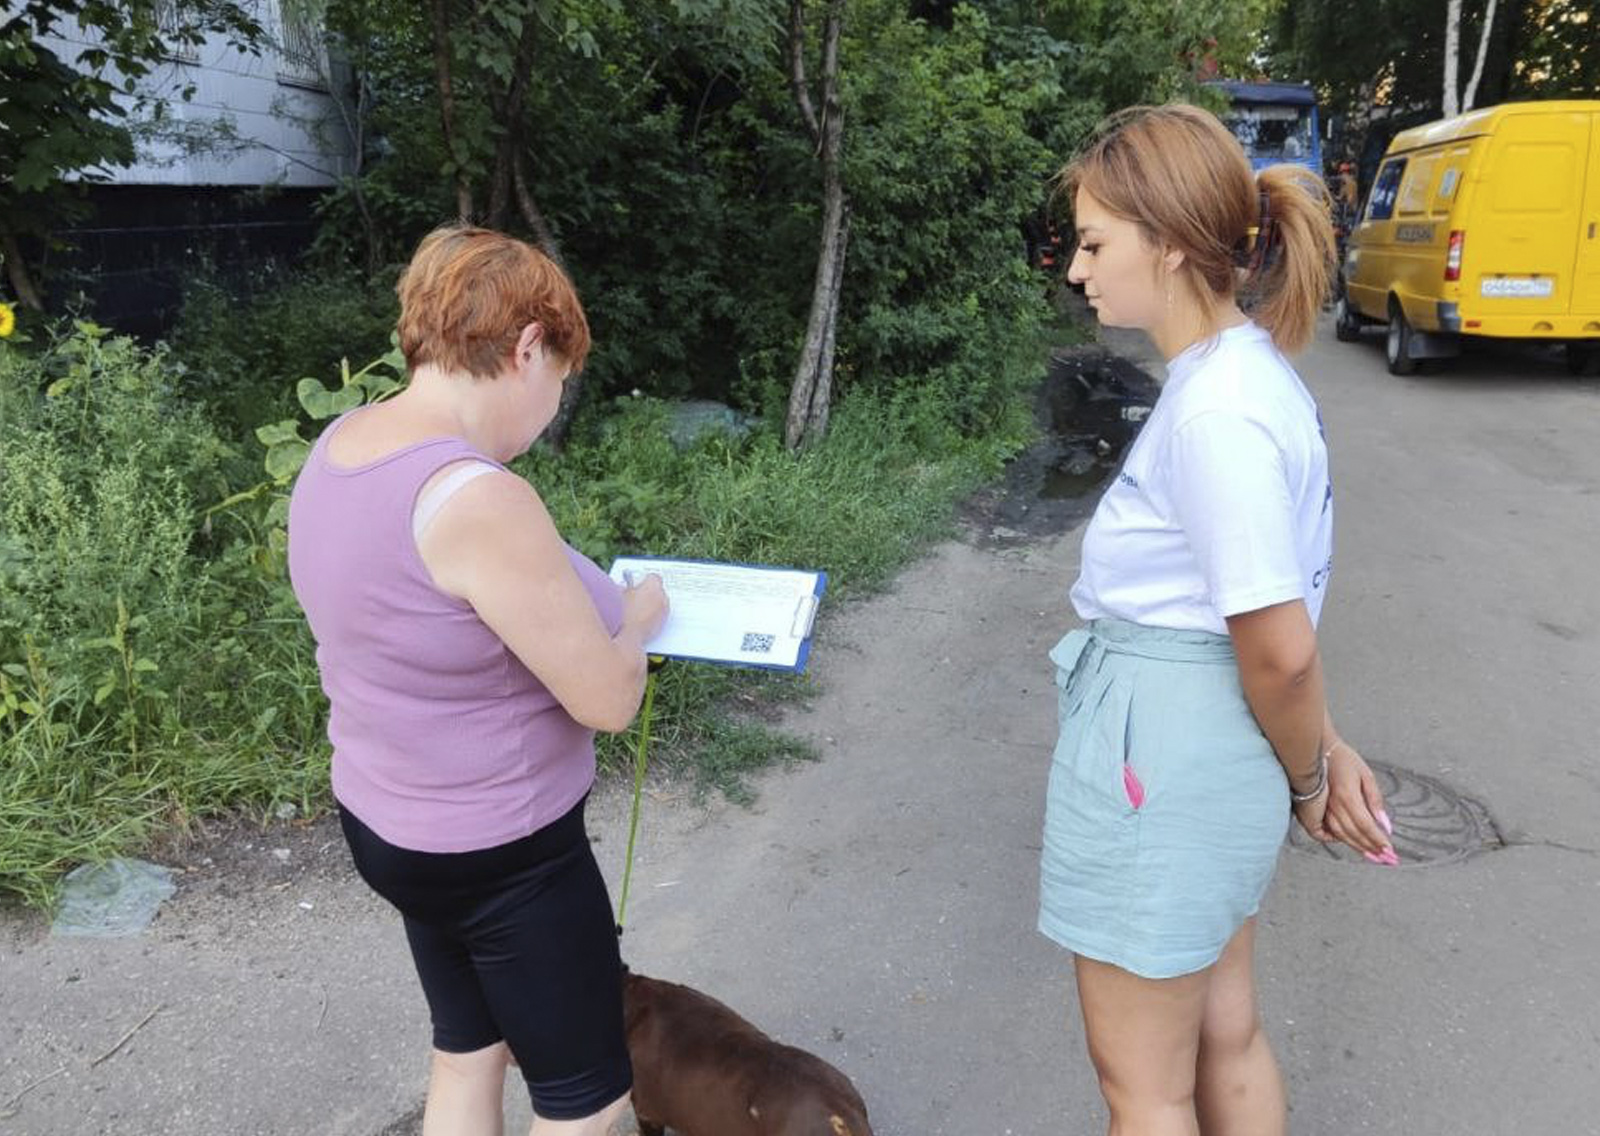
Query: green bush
pixel 890 466
pixel 685 195
pixel 147 667
pixel 154 665
pixel 243 348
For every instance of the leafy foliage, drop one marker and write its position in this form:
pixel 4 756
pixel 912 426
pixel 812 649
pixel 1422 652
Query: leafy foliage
pixel 153 663
pixel 1392 52
pixel 243 349
pixel 147 665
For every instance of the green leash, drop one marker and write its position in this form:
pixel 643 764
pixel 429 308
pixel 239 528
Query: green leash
pixel 640 757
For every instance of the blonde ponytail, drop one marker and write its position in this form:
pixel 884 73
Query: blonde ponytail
pixel 1178 173
pixel 1294 269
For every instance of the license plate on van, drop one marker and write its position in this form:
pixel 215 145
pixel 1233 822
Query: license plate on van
pixel 1538 287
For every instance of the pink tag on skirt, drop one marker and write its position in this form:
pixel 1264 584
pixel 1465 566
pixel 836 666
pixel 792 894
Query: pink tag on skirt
pixel 1131 785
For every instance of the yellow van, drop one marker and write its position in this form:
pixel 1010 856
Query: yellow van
pixel 1484 224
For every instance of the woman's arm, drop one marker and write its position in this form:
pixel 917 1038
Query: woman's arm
pixel 1281 672
pixel 495 546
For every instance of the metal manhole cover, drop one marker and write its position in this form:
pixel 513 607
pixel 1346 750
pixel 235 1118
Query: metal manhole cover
pixel 1433 824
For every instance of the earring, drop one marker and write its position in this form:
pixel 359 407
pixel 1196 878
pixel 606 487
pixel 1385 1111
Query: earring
pixel 1169 291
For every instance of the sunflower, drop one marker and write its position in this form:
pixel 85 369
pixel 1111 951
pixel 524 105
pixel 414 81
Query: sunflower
pixel 8 320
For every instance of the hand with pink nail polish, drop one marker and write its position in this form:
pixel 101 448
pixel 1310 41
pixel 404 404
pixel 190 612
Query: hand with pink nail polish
pixel 1356 815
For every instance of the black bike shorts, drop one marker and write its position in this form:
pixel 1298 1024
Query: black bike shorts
pixel 515 943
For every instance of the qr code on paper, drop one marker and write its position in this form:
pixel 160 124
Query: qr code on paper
pixel 758 644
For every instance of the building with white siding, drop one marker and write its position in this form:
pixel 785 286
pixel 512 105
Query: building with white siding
pixel 234 148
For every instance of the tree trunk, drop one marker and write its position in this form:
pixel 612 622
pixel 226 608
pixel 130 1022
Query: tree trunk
pixel 808 395
pixel 566 410
pixel 572 390
pixel 447 108
pixel 1471 96
pixel 813 379
pixel 355 125
pixel 797 70
pixel 499 193
pixel 1452 59
pixel 1506 47
pixel 822 395
pixel 369 228
pixel 17 272
pixel 508 111
pixel 529 208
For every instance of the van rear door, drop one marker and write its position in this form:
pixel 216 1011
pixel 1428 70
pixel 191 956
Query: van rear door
pixel 1519 248
pixel 1586 276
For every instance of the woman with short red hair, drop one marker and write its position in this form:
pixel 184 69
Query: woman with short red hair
pixel 469 655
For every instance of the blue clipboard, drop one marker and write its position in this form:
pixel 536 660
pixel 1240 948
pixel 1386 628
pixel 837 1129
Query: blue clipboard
pixel 802 621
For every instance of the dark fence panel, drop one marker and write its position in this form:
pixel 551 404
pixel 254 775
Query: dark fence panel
pixel 128 258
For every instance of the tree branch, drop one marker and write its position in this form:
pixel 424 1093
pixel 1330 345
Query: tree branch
pixel 1450 104
pixel 509 112
pixel 1483 50
pixel 832 108
pixel 529 208
pixel 447 106
pixel 17 272
pixel 797 69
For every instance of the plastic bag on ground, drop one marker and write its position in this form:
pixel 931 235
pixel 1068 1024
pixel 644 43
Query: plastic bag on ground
pixel 118 897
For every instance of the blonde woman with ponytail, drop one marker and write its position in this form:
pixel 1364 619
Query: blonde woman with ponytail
pixel 1193 722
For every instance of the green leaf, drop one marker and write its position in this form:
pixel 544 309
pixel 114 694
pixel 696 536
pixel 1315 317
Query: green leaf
pixel 107 689
pixel 284 461
pixel 314 397
pixel 320 402
pixel 145 666
pixel 277 432
pixel 377 386
pixel 347 400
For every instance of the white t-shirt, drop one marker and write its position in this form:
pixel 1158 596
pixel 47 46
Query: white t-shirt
pixel 1223 505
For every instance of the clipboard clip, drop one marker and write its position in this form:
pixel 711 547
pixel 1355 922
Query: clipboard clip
pixel 805 615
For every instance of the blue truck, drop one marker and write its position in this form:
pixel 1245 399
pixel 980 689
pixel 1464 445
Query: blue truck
pixel 1274 122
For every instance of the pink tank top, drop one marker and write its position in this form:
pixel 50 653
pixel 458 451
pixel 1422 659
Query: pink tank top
pixel 442 740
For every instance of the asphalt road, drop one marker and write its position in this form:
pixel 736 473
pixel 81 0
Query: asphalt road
pixel 877 907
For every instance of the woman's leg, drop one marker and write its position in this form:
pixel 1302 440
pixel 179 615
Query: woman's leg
pixel 1144 1040
pixel 602 1123
pixel 1238 1090
pixel 548 964
pixel 465 1091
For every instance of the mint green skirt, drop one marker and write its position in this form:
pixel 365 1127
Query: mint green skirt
pixel 1166 809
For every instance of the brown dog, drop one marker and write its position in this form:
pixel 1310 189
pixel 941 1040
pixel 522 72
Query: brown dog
pixel 702 1070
